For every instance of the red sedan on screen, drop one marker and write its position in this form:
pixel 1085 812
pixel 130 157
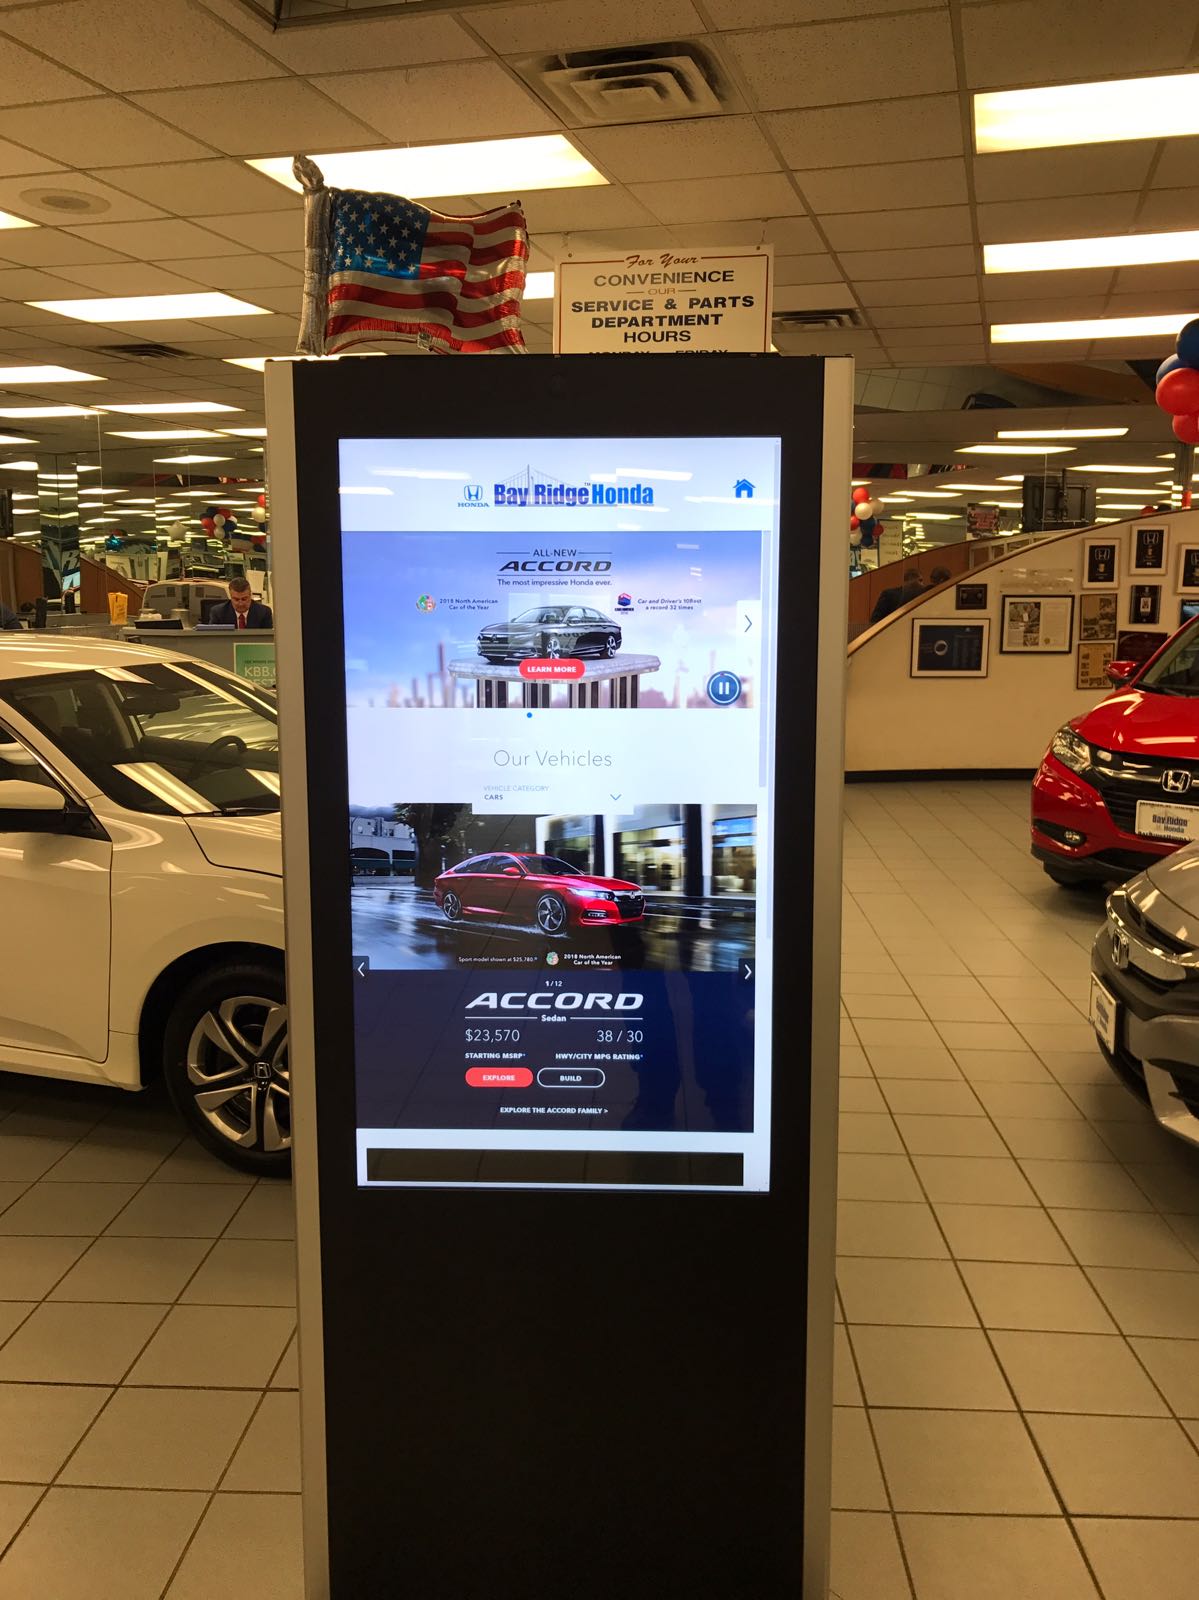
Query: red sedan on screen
pixel 1119 787
pixel 539 891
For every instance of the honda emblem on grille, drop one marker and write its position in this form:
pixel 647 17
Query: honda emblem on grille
pixel 1121 949
pixel 1176 780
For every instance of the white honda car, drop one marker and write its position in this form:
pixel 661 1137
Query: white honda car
pixel 141 902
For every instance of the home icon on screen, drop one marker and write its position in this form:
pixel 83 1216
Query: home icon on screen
pixel 743 489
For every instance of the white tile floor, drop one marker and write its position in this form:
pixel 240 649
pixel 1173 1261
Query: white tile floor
pixel 1017 1386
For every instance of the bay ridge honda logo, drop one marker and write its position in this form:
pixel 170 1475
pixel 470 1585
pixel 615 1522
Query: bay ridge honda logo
pixel 1177 780
pixel 473 498
pixel 532 488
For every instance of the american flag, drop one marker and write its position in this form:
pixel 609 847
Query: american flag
pixel 383 269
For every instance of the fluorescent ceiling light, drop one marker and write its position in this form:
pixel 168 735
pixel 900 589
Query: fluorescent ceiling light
pixel 1087 113
pixel 150 307
pixel 258 363
pixel 484 166
pixel 28 412
pixel 179 407
pixel 929 494
pixel 1061 433
pixel 539 286
pixel 18 377
pixel 1130 505
pixel 27 511
pixel 1108 466
pixel 139 501
pixel 934 516
pixel 7 220
pixel 91 491
pixel 15 438
pixel 1090 328
pixel 1118 250
pixel 1013 450
pixel 982 487
pixel 246 433
pixel 19 466
pixel 85 467
pixel 163 433
pixel 186 461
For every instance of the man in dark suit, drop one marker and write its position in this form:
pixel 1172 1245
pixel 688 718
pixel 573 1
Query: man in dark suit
pixel 241 609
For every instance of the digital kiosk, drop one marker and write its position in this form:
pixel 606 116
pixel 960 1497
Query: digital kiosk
pixel 565 1059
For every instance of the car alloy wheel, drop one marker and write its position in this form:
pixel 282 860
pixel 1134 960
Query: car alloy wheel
pixel 451 906
pixel 551 914
pixel 610 646
pixel 238 1072
pixel 553 647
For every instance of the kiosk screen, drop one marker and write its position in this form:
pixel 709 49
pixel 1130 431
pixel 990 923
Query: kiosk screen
pixel 560 692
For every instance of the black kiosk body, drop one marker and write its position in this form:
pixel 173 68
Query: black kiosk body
pixel 562 986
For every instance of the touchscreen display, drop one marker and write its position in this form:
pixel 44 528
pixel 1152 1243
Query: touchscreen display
pixel 560 693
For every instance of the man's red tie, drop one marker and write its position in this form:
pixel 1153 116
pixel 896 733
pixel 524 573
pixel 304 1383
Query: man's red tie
pixel 241 619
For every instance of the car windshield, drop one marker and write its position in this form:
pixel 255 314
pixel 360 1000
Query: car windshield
pixel 174 738
pixel 549 867
pixel 1176 671
pixel 542 614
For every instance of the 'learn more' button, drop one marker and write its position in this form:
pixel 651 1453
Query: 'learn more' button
pixel 554 669
pixel 499 1077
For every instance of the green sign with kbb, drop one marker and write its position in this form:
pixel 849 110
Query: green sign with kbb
pixel 255 661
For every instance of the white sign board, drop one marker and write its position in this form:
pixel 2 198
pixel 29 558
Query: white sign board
pixel 702 300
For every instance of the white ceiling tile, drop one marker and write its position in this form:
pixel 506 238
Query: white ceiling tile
pixel 27 283
pixel 1048 285
pixel 287 298
pixel 704 147
pixel 16 161
pixel 957 334
pixel 277 230
pixel 578 210
pixel 51 247
pixel 1032 309
pixel 935 225
pixel 197 187
pixel 766 194
pixel 788 235
pixel 816 268
pixel 1069 217
pixel 1150 302
pixel 151 241
pixel 96 133
pixel 583 25
pixel 935 316
pixel 468 99
pixel 816 64
pixel 273 326
pixel 1021 42
pixel 140 44
pixel 1162 208
pixel 1074 170
pixel 928 127
pixel 920 291
pixel 937 355
pixel 1178 163
pixel 275 117
pixel 899 184
pixel 1178 275
pixel 363 42
pixel 26 77
pixel 950 261
pixel 825 341
pixel 237 272
pixel 764 13
pixel 27 197
pixel 121 277
pixel 832 296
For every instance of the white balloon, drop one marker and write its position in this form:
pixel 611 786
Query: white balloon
pixel 258 513
pixel 855 538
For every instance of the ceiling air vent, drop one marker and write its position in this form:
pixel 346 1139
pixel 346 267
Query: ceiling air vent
pixel 146 352
pixel 819 321
pixel 640 83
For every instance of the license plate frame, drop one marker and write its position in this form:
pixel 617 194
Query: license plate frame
pixel 1104 1013
pixel 1166 822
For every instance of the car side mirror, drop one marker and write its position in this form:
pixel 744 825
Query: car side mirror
pixel 511 872
pixel 18 795
pixel 1119 672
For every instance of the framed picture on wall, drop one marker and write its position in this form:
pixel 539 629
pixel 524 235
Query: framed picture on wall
pixel 1092 664
pixel 1148 550
pixel 1188 568
pixel 1100 564
pixel 950 649
pixel 1145 604
pixel 971 597
pixel 1138 646
pixel 1037 624
pixel 1097 617
pixel 1188 610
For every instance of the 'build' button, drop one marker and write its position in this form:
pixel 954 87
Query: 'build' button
pixel 499 1077
pixel 571 1077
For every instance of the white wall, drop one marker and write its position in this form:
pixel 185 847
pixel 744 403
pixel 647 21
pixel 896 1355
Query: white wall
pixel 895 722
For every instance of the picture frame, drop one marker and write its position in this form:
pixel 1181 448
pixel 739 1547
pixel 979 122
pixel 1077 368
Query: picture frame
pixel 1188 569
pixel 1097 617
pixel 1188 609
pixel 1148 549
pixel 970 597
pixel 1144 605
pixel 1091 664
pixel 1138 645
pixel 1100 563
pixel 946 649
pixel 1037 624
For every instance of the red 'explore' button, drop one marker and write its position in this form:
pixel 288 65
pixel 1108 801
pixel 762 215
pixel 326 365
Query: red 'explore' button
pixel 499 1077
pixel 555 669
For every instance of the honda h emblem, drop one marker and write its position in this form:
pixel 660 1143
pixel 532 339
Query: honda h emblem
pixel 1121 949
pixel 1176 781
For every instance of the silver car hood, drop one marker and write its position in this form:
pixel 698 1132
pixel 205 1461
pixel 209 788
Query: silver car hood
pixel 246 844
pixel 1167 894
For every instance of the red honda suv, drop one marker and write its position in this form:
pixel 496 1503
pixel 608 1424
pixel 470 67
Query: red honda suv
pixel 542 891
pixel 1119 786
